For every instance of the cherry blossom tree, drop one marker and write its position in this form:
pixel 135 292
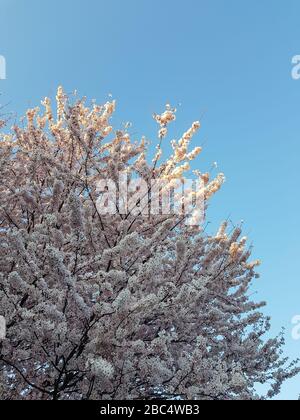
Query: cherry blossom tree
pixel 123 305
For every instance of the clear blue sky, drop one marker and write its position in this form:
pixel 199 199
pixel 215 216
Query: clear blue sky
pixel 229 58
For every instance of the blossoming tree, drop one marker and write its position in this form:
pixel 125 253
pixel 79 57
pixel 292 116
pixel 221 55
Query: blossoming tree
pixel 119 306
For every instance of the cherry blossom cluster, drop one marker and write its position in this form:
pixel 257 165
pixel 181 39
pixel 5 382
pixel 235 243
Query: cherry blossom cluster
pixel 125 305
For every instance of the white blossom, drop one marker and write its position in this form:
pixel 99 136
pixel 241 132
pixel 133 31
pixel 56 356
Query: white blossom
pixel 123 306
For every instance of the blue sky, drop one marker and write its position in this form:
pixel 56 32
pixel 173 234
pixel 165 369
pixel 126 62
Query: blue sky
pixel 229 59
